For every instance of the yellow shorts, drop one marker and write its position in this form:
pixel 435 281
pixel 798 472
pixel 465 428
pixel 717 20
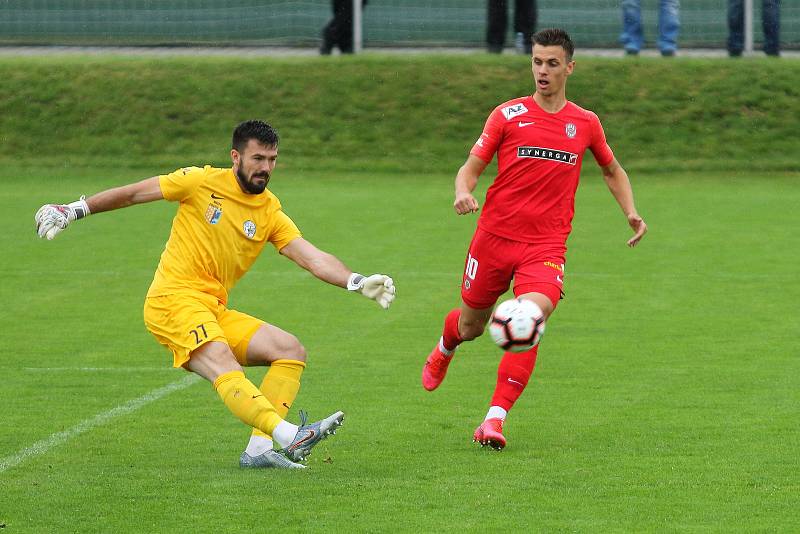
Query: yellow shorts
pixel 183 322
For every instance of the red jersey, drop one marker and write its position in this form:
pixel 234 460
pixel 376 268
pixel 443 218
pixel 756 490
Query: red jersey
pixel 539 156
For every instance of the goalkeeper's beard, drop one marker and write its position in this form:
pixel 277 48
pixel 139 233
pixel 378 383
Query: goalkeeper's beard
pixel 248 185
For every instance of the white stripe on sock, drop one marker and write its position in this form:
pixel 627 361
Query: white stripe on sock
pixel 496 412
pixel 444 350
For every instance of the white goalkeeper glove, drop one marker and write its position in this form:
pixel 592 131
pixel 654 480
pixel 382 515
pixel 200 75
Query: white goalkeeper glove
pixel 377 287
pixel 51 219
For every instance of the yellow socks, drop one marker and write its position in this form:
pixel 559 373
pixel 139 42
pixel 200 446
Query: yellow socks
pixel 280 387
pixel 246 402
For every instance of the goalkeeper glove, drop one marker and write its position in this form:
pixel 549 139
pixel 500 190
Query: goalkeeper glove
pixel 51 219
pixel 377 287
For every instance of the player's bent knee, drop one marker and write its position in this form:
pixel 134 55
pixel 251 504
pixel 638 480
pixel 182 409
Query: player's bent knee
pixel 296 352
pixel 284 346
pixel 287 347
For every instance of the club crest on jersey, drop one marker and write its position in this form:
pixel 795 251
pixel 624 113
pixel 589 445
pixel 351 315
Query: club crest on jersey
pixel 213 212
pixel 571 130
pixel 547 153
pixel 509 112
pixel 249 228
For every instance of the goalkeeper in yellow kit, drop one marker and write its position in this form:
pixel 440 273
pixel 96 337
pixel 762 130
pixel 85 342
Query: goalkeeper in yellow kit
pixel 224 218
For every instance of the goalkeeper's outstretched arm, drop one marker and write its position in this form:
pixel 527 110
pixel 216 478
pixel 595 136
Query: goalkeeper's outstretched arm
pixel 52 219
pixel 147 190
pixel 328 268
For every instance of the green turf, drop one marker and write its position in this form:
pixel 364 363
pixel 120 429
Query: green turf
pixel 665 398
pixel 666 394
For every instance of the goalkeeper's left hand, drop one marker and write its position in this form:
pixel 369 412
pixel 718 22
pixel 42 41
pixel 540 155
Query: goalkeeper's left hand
pixel 377 287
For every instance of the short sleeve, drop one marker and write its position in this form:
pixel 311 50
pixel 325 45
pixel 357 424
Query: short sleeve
pixel 283 231
pixel 180 184
pixel 599 147
pixel 486 145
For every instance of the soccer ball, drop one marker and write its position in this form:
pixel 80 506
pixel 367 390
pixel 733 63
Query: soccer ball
pixel 517 325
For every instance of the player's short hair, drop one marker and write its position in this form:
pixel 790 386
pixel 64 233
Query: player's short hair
pixel 555 37
pixel 254 129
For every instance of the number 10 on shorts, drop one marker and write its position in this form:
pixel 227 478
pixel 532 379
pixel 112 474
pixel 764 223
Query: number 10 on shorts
pixel 471 270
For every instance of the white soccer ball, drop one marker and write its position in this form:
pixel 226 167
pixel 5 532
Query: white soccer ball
pixel 517 325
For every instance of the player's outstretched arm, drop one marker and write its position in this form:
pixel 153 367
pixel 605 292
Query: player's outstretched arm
pixel 466 181
pixel 620 186
pixel 328 268
pixel 52 219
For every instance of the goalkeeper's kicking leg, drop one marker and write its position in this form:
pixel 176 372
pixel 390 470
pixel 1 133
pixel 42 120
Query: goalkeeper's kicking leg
pixel 216 362
pixel 286 358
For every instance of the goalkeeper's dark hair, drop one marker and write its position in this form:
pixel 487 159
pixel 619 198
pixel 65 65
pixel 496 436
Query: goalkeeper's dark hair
pixel 555 37
pixel 254 129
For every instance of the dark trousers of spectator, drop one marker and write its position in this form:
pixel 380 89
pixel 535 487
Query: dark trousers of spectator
pixel 770 16
pixel 524 23
pixel 339 31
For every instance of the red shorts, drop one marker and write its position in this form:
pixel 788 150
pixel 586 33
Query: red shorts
pixel 494 261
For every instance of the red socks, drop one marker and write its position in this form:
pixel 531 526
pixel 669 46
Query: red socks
pixel 512 376
pixel 450 337
pixel 513 373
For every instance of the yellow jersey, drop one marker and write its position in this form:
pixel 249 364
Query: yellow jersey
pixel 218 232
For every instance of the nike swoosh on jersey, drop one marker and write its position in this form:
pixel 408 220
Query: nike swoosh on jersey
pixel 218 198
pixel 523 124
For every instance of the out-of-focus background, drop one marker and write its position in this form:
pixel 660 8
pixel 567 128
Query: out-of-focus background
pixel 386 23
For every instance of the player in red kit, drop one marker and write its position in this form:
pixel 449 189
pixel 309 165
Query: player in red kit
pixel 540 141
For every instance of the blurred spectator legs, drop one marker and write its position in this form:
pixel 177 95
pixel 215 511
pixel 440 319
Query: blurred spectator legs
pixel 669 25
pixel 770 15
pixel 525 15
pixel 339 31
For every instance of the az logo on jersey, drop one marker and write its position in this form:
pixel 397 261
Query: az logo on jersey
pixel 509 112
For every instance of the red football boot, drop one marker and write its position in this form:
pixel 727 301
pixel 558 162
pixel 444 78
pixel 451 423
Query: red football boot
pixel 490 433
pixel 435 369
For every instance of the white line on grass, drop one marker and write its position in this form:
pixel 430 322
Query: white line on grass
pixel 40 447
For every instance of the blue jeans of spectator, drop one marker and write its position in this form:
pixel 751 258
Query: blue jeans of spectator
pixel 770 17
pixel 669 24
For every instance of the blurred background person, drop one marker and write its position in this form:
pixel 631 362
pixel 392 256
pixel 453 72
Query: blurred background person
pixel 339 31
pixel 669 25
pixel 770 18
pixel 524 25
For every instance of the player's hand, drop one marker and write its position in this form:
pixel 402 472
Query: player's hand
pixel 377 287
pixel 465 203
pixel 639 228
pixel 52 219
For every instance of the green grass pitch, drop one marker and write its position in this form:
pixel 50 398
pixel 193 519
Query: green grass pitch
pixel 665 397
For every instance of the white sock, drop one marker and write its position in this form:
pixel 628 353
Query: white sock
pixel 258 445
pixel 496 412
pixel 444 350
pixel 284 433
